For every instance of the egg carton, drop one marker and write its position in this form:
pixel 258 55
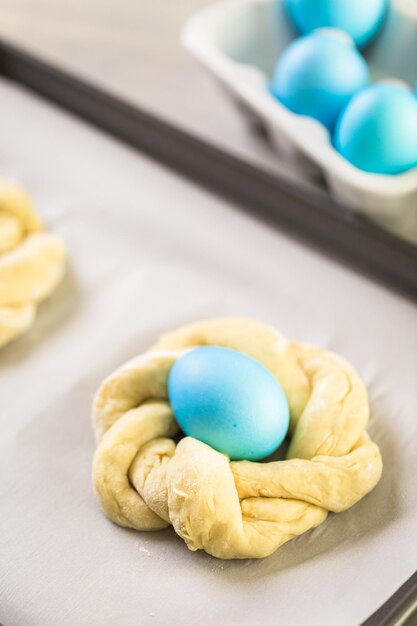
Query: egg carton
pixel 239 42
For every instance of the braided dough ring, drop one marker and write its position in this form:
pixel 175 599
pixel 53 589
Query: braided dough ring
pixel 144 480
pixel 31 262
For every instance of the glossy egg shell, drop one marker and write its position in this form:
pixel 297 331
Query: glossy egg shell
pixel 229 401
pixel 377 132
pixel 361 19
pixel 318 74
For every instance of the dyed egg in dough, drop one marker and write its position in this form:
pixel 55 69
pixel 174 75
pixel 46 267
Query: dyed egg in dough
pixel 229 401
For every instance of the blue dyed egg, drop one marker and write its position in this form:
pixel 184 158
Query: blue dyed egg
pixel 377 132
pixel 361 19
pixel 318 74
pixel 229 401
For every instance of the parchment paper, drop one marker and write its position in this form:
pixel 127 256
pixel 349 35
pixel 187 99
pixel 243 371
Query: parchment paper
pixel 148 251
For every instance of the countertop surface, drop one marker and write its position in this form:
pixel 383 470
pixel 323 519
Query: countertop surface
pixel 132 49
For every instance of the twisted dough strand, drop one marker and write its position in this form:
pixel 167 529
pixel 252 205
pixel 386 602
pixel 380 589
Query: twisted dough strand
pixel 31 262
pixel 144 480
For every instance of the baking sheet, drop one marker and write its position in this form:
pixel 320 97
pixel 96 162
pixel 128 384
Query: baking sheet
pixel 148 252
pixel 311 216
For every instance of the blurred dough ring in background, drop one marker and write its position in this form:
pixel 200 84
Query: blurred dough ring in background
pixel 31 262
pixel 241 509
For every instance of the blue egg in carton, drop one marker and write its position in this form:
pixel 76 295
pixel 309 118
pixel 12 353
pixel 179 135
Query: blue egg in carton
pixel 361 20
pixel 308 79
pixel 240 42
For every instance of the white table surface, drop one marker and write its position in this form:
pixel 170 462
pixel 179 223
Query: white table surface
pixel 149 251
pixel 131 48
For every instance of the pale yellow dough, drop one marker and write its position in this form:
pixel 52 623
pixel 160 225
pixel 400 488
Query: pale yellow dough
pixel 32 262
pixel 144 480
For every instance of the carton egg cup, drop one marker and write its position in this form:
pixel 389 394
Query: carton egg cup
pixel 239 42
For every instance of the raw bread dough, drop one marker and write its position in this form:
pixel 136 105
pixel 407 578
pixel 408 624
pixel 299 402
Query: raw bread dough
pixel 144 480
pixel 31 262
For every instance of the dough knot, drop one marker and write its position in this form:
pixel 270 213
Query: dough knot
pixel 145 480
pixel 31 262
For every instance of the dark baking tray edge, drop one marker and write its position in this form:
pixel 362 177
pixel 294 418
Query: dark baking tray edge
pixel 312 217
pixel 309 217
pixel 401 606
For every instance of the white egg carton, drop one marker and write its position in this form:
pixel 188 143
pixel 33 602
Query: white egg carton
pixel 239 42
